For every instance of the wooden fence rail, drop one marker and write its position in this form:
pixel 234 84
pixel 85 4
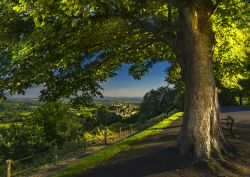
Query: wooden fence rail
pixel 108 138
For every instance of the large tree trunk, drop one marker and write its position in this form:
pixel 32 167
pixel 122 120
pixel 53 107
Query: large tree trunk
pixel 201 131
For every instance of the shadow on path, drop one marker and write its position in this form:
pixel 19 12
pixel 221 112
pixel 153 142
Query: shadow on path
pixel 155 157
pixel 151 156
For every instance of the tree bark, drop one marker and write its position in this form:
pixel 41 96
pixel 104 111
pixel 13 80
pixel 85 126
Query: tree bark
pixel 201 132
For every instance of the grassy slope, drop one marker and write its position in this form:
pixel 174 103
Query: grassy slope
pixel 96 159
pixel 4 126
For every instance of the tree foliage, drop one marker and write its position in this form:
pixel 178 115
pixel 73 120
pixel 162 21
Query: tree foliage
pixel 57 122
pixel 106 117
pixel 231 53
pixel 21 140
pixel 157 101
pixel 70 47
pixel 227 97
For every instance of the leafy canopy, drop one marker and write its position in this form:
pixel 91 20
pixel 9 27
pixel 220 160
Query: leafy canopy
pixel 71 46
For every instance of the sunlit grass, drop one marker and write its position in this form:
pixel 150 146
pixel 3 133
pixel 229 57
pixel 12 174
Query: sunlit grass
pixel 5 126
pixel 96 159
pixel 25 114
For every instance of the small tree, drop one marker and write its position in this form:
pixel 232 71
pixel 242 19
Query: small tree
pixel 157 101
pixel 105 117
pixel 22 140
pixel 57 121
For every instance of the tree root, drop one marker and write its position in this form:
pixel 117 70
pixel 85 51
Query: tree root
pixel 220 167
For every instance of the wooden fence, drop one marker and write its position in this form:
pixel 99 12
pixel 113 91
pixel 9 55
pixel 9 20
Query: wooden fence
pixel 28 165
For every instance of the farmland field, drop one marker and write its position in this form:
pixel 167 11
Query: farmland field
pixel 4 126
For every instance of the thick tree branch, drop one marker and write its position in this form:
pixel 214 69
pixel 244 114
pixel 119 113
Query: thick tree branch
pixel 214 8
pixel 144 25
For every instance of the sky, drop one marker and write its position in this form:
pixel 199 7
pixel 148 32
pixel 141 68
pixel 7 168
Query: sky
pixel 123 85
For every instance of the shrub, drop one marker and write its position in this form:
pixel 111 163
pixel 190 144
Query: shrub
pixel 21 140
pixel 88 121
pixel 105 117
pixel 57 122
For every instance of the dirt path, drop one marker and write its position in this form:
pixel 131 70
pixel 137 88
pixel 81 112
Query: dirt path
pixel 152 157
pixel 242 121
pixel 155 156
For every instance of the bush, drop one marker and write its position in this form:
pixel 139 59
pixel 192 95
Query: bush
pixel 88 121
pixel 105 117
pixel 22 140
pixel 57 122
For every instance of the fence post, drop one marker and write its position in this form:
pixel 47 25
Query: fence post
pixel 131 128
pixel 55 154
pixel 105 136
pixel 120 132
pixel 8 163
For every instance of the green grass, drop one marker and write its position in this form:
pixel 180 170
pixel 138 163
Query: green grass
pixel 96 159
pixel 25 114
pixel 5 126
